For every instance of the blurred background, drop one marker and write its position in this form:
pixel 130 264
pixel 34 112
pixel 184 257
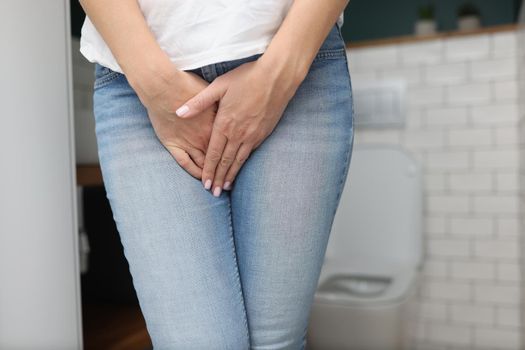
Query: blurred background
pixel 427 245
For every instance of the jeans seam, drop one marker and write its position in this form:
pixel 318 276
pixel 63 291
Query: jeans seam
pixel 350 143
pixel 352 106
pixel 238 278
pixel 330 53
pixel 349 81
pixel 345 169
pixel 333 53
pixel 101 81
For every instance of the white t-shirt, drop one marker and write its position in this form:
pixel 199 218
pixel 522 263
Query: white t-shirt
pixel 195 33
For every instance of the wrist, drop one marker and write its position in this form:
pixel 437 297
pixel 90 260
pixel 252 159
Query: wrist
pixel 288 65
pixel 151 74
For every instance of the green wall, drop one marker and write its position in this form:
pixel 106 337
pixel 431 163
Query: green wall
pixel 374 19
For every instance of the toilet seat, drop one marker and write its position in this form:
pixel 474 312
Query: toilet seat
pixel 373 283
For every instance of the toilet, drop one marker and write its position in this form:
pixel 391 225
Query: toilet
pixel 370 273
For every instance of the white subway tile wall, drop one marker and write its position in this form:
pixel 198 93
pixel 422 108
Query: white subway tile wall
pixel 463 125
pixel 515 226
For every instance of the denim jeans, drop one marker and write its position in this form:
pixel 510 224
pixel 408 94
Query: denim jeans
pixel 238 271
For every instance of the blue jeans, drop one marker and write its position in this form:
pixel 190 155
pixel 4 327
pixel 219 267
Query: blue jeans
pixel 238 271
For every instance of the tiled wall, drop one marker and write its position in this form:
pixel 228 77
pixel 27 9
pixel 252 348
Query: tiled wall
pixel 462 124
pixel 521 94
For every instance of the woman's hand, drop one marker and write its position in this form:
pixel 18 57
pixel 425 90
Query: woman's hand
pixel 186 139
pixel 159 85
pixel 252 99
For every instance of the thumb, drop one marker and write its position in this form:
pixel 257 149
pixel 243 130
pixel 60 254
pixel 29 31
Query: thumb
pixel 200 102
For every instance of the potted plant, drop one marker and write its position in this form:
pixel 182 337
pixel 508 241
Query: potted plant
pixel 426 24
pixel 468 17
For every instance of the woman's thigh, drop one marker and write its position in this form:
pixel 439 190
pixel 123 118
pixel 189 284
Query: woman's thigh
pixel 177 237
pixel 284 201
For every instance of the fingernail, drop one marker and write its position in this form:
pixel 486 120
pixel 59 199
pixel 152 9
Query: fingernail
pixel 227 185
pixel 182 110
pixel 207 184
pixel 217 191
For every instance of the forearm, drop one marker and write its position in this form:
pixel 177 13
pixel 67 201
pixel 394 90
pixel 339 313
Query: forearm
pixel 124 29
pixel 301 35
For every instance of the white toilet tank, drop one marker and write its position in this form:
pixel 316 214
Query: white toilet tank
pixel 377 216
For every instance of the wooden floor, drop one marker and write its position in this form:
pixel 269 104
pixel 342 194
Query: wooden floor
pixel 114 327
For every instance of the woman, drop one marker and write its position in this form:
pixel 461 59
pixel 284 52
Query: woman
pixel 225 131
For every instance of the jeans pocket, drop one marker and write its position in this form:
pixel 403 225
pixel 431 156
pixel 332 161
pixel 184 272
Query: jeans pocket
pixel 333 46
pixel 103 75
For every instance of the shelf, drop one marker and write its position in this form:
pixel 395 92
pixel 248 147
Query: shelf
pixel 441 35
pixel 115 327
pixel 89 175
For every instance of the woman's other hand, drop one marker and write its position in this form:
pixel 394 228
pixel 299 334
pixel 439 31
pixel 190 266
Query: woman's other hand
pixel 186 139
pixel 252 99
pixel 159 85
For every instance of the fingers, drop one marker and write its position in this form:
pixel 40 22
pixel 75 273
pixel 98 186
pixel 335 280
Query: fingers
pixel 228 157
pixel 197 156
pixel 202 101
pixel 186 162
pixel 213 156
pixel 242 154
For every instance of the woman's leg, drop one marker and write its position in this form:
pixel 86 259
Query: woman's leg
pixel 284 201
pixel 177 237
